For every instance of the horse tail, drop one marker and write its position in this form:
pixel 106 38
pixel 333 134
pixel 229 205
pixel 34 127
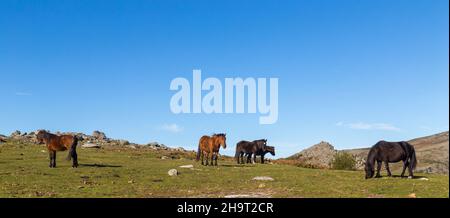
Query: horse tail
pixel 73 147
pixel 198 153
pixel 413 160
pixel 238 153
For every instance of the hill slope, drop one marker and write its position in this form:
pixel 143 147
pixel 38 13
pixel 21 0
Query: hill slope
pixel 113 171
pixel 432 153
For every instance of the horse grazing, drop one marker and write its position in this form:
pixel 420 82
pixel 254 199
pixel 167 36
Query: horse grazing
pixel 391 152
pixel 59 143
pixel 262 152
pixel 210 146
pixel 257 147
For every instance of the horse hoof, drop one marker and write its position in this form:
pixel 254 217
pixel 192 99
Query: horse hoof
pixel 410 177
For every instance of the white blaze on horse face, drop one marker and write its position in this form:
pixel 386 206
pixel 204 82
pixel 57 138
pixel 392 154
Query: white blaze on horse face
pixel 180 101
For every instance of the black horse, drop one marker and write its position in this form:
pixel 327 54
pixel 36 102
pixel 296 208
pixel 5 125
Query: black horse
pixel 262 152
pixel 391 152
pixel 250 148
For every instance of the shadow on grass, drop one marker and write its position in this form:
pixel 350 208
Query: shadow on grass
pixel 236 165
pixel 404 177
pixel 100 165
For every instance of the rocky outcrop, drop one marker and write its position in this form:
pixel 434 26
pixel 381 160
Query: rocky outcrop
pixel 97 139
pixel 317 156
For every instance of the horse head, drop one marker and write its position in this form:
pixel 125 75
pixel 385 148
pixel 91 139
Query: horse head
pixel 41 135
pixel 369 171
pixel 271 150
pixel 370 164
pixel 221 140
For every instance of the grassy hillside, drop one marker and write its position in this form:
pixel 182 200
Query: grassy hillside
pixel 125 172
pixel 432 153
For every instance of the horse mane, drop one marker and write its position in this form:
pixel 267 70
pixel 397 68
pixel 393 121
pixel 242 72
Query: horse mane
pixel 219 134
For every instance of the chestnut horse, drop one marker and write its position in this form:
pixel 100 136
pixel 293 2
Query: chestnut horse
pixel 210 146
pixel 59 143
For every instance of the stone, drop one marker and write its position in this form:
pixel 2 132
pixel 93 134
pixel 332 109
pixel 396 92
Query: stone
pixel 263 178
pixel 15 134
pixel 173 172
pixel 90 145
pixel 99 135
pixel 187 166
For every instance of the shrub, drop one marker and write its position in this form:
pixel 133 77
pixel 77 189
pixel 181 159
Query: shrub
pixel 343 161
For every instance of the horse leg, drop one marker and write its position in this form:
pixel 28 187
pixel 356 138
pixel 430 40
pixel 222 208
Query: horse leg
pixel 387 168
pixel 410 168
pixel 405 164
pixel 211 157
pixel 50 155
pixel 215 158
pixel 74 157
pixel 378 169
pixel 253 159
pixel 262 159
pixel 54 159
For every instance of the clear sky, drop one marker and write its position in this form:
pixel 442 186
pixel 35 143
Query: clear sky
pixel 350 72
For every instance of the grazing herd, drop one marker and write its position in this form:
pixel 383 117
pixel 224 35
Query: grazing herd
pixel 209 147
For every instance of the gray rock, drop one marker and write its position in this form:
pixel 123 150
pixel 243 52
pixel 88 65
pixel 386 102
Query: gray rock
pixel 317 156
pixel 99 135
pixel 90 145
pixel 173 172
pixel 263 178
pixel 187 166
pixel 15 134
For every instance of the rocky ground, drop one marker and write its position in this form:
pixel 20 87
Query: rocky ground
pixel 97 139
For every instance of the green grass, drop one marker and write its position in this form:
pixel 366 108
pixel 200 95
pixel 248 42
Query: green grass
pixel 120 172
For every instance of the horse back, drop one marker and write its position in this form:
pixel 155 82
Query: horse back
pixel 204 143
pixel 390 151
pixel 61 143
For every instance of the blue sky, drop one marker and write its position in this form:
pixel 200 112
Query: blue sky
pixel 350 72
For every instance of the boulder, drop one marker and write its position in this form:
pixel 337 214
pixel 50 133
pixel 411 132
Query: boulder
pixel 173 172
pixel 15 134
pixel 99 135
pixel 317 156
pixel 187 166
pixel 90 145
pixel 263 178
pixel 123 142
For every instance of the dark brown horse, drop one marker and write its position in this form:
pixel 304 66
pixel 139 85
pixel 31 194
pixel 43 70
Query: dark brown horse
pixel 59 143
pixel 391 152
pixel 262 152
pixel 250 149
pixel 210 146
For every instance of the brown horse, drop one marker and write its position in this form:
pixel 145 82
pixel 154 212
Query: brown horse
pixel 59 143
pixel 210 146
